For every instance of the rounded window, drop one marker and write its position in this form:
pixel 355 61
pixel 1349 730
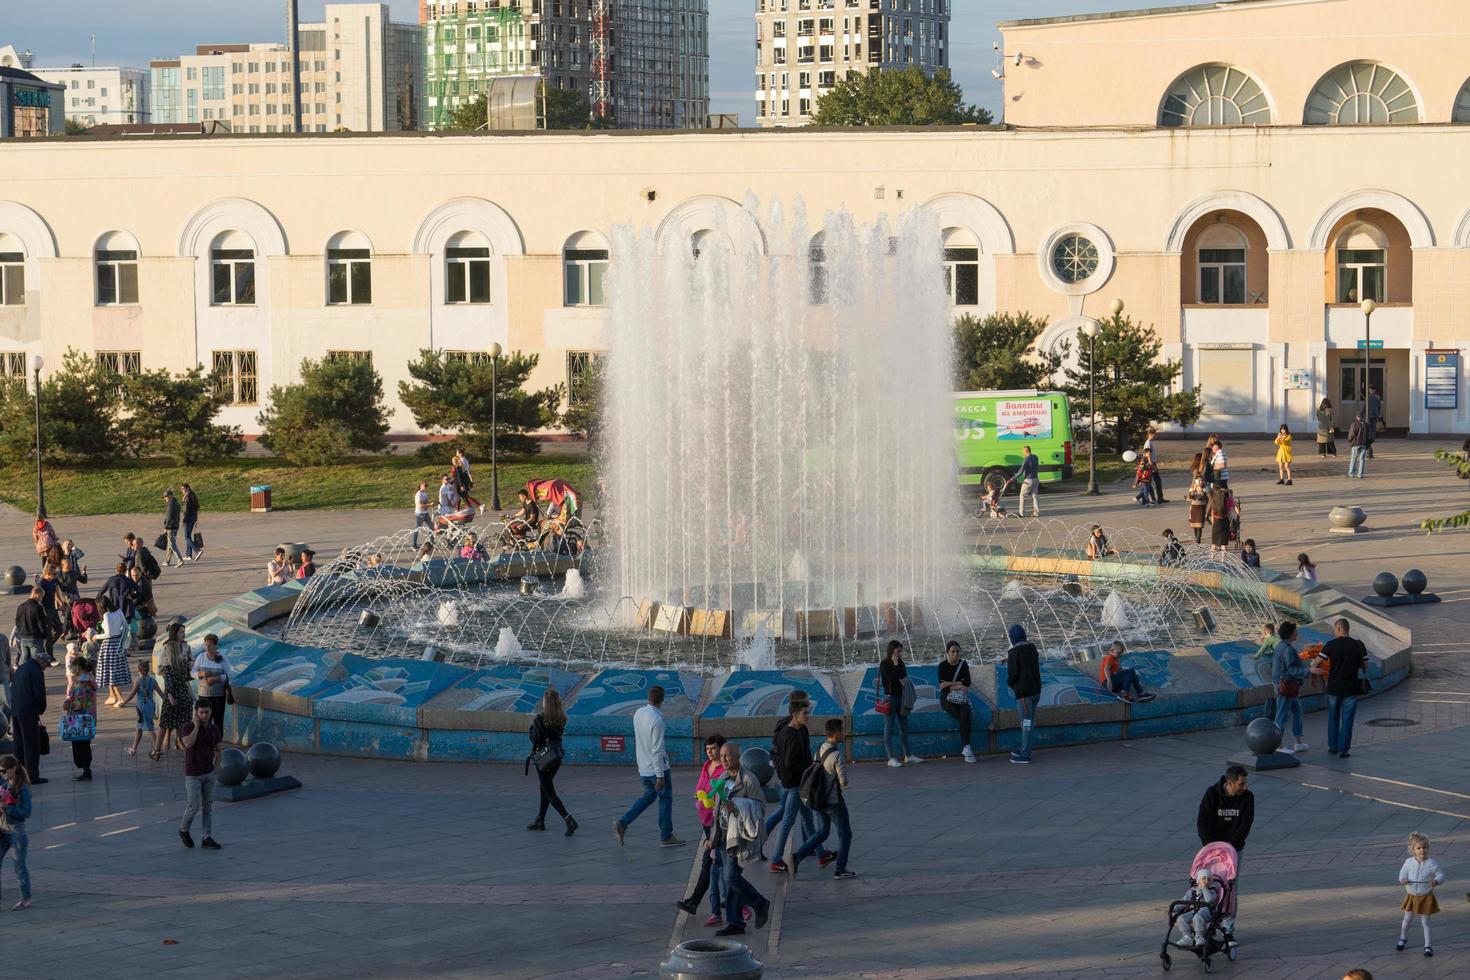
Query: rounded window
pixel 1215 95
pixel 1074 259
pixel 1362 93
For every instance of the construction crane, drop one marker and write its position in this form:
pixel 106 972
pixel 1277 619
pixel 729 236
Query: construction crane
pixel 601 94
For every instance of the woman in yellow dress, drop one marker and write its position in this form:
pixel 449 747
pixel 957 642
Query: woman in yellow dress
pixel 1283 457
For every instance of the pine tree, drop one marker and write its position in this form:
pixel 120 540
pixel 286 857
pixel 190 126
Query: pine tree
pixel 79 415
pixel 173 415
pixel 894 97
pixel 336 408
pixel 999 353
pixel 1133 381
pixel 452 394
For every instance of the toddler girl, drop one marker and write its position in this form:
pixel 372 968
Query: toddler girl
pixel 1194 928
pixel 144 689
pixel 1419 876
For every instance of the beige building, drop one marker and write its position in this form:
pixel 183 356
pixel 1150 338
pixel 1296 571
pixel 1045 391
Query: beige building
pixel 359 71
pixel 1248 246
pixel 804 47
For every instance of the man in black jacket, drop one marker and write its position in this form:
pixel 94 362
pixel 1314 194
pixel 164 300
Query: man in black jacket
pixel 171 516
pixel 27 705
pixel 793 755
pixel 1023 677
pixel 122 590
pixel 191 517
pixel 1347 659
pixel 1227 810
pixel 33 627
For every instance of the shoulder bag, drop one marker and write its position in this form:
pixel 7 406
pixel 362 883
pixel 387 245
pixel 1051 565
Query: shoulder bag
pixel 1289 687
pixel 879 697
pixel 958 695
pixel 78 726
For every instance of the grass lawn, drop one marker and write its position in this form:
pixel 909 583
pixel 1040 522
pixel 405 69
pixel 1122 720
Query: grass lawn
pixel 224 485
pixel 1110 469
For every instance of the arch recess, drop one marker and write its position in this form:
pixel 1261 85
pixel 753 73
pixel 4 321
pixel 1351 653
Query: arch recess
pixel 1462 231
pixel 711 213
pixel 1421 235
pixel 976 214
pixel 1278 239
pixel 30 228
pixel 232 214
pixel 468 214
pixel 1216 94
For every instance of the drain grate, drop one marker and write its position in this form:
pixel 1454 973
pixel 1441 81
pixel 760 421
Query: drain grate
pixel 1391 722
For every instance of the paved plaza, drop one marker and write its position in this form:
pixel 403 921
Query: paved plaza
pixel 1061 869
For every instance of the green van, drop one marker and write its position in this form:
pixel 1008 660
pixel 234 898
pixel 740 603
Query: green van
pixel 990 427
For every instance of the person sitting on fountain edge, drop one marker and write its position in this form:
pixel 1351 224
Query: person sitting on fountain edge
pixel 1120 680
pixel 528 518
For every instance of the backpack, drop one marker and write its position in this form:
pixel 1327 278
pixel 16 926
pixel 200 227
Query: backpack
pixel 815 791
pixel 149 563
pixel 84 614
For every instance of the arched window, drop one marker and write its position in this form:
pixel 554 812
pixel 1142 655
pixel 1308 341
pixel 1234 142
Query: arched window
pixel 1362 263
pixel 1462 105
pixel 703 240
pixel 349 269
pixel 1222 265
pixel 116 259
pixel 467 268
pixel 1362 93
pixel 816 268
pixel 232 269
pixel 584 266
pixel 962 267
pixel 1215 95
pixel 12 271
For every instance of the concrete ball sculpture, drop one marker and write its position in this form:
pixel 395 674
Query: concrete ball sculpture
pixel 15 576
pixel 758 761
pixel 1415 582
pixel 1263 736
pixel 1385 584
pixel 264 759
pixel 233 767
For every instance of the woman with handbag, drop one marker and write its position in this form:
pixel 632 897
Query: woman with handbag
pixel 79 715
pixel 1326 431
pixel 546 756
pixel 178 702
pixel 15 809
pixel 954 694
pixel 1288 671
pixel 892 673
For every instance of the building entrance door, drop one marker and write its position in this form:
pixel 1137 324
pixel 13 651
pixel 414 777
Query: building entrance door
pixel 1354 379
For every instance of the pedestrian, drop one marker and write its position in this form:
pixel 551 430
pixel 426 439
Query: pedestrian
pixel 1283 456
pixel 1153 464
pixel 1326 430
pixel 174 709
pixel 1172 552
pixel 70 578
pixel 202 740
pixel 464 480
pixel 81 699
pixel 28 704
pixel 1347 664
pixel 546 754
pixel 307 568
pixel 172 517
pixel 1030 481
pixel 740 833
pixel 6 669
pixel 1143 482
pixel 1287 674
pixel 1304 567
pixel 145 697
pixel 212 669
pixel 33 627
pixel 1249 556
pixel 192 551
pixel 112 659
pixel 1221 510
pixel 1023 677
pixel 421 515
pixel 1199 502
pixel 1220 464
pixel 706 803
pixel 793 754
pixel 829 757
pixel 1226 811
pixel 143 601
pixel 279 570
pixel 954 695
pixel 15 805
pixel 121 589
pixel 1375 417
pixel 653 769
pixel 1097 544
pixel 1207 464
pixel 1420 875
pixel 892 676
pixel 51 601
pixel 43 536
pixel 448 496
pixel 1358 454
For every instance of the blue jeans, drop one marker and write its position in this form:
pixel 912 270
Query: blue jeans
pixel 1340 712
pixel 1289 708
pixel 1125 679
pixel 17 839
pixel 424 521
pixel 665 799
pixel 1358 462
pixel 32 647
pixel 189 539
pixel 785 814
pixel 1027 707
pixel 834 814
pixel 738 891
pixel 896 717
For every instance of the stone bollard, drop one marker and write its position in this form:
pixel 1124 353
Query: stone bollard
pixel 711 959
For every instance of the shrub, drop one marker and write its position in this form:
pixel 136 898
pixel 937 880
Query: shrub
pixel 453 395
pixel 173 415
pixel 336 408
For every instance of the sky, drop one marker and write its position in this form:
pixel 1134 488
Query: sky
pixel 131 33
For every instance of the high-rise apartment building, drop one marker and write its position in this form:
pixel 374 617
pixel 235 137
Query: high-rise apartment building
pixel 643 64
pixel 804 47
pixel 359 71
pixel 97 96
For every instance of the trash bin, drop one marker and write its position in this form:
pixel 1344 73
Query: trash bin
pixel 260 500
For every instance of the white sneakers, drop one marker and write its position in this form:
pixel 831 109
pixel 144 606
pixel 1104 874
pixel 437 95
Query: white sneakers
pixel 894 764
pixel 913 760
pixel 1300 747
pixel 969 754
pixel 1186 939
pixel 1287 750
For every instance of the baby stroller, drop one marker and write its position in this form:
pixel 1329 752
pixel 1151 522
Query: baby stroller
pixel 1220 860
pixel 84 615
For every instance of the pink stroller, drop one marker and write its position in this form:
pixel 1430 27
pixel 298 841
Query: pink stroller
pixel 1221 861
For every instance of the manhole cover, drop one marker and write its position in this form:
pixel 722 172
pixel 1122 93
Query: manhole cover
pixel 1391 722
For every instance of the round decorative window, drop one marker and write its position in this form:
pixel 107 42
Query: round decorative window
pixel 1074 259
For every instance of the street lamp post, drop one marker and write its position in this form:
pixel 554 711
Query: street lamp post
pixel 494 428
pixel 1092 328
pixel 1367 306
pixel 38 362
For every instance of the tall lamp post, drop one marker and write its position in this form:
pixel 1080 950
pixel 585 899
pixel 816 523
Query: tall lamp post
pixel 495 350
pixel 1092 328
pixel 1367 306
pixel 38 362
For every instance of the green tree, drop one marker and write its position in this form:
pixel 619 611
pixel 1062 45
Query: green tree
pixel 73 128
pixel 907 97
pixel 1133 381
pixel 584 413
pixel 1460 463
pixel 336 408
pixel 563 109
pixel 79 415
pixel 467 116
pixel 999 353
pixel 173 415
pixel 453 394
